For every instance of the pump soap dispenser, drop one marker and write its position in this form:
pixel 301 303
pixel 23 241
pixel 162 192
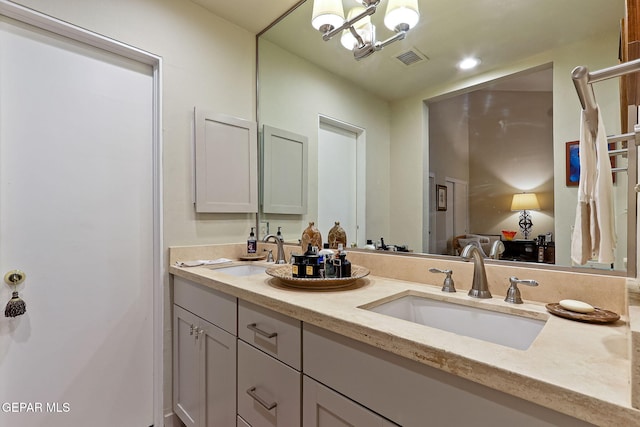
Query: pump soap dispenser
pixel 252 244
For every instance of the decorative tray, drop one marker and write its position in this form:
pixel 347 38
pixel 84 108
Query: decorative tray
pixel 597 316
pixel 283 273
pixel 252 257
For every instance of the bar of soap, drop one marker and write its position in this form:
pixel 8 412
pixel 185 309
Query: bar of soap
pixel 577 306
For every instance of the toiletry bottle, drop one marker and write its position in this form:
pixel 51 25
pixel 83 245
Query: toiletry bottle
pixel 326 255
pixel 370 245
pixel 252 244
pixel 382 245
pixel 345 264
pixel 279 235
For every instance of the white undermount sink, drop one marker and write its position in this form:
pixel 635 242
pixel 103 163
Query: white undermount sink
pixel 241 269
pixel 500 328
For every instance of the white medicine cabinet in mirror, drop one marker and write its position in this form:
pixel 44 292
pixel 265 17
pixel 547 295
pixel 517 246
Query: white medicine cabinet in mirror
pixel 527 53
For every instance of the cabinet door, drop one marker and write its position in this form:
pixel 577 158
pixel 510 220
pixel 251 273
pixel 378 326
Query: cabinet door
pixel 284 172
pixel 226 163
pixel 204 372
pixel 186 384
pixel 218 359
pixel 323 407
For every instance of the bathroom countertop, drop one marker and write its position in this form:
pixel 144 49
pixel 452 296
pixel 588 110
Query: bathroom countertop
pixel 580 369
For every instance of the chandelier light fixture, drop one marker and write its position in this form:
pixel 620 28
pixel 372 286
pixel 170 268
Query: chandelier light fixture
pixel 358 34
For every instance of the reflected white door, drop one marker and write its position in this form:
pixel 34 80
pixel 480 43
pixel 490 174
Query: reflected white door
pixel 337 180
pixel 76 214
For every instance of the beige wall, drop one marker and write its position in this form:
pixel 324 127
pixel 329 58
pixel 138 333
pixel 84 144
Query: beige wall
pixel 448 154
pixel 293 95
pixel 511 150
pixel 206 62
pixel 500 143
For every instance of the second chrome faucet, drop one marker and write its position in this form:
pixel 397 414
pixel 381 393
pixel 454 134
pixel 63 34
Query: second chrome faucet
pixel 479 287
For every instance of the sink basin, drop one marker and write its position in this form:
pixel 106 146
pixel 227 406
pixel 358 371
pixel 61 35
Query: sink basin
pixel 241 270
pixel 499 328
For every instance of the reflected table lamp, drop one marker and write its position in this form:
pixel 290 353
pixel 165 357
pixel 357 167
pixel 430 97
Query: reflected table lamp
pixel 524 202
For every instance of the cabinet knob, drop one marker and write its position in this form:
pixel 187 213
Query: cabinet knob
pixel 199 331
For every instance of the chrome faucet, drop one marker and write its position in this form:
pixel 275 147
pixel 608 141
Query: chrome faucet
pixel 513 293
pixel 497 249
pixel 280 257
pixel 479 288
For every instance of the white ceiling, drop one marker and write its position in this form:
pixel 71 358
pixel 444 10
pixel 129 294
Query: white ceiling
pixel 498 31
pixel 252 15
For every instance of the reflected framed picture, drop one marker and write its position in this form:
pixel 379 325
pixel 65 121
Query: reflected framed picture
pixel 573 163
pixel 441 195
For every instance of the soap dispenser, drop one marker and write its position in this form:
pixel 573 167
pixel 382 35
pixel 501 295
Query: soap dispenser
pixel 252 244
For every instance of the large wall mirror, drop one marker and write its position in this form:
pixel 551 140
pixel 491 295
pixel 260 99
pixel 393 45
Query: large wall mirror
pixel 420 124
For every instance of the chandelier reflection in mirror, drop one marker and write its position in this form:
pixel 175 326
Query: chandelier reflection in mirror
pixel 358 33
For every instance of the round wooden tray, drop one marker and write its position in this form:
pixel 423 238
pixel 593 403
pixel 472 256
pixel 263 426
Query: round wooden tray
pixel 252 257
pixel 283 273
pixel 597 316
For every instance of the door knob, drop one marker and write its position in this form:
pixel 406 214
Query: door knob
pixel 14 277
pixel 16 306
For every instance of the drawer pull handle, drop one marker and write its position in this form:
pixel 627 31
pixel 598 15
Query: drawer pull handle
pixel 266 405
pixel 254 328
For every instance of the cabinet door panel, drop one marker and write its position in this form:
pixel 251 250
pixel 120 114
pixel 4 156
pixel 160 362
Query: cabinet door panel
pixel 186 392
pixel 219 389
pixel 226 163
pixel 271 382
pixel 323 407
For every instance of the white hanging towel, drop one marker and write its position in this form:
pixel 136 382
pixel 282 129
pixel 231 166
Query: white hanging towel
pixel 594 235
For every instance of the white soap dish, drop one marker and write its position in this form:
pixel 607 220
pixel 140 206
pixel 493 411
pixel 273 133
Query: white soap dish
pixel 577 306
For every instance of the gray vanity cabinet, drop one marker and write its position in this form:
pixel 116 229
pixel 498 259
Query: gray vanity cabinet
pixel 204 356
pixel 411 394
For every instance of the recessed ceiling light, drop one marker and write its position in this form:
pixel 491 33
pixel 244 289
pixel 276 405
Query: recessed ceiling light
pixel 468 63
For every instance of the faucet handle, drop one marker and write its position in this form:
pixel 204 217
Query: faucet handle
pixel 513 293
pixel 448 285
pixel 269 255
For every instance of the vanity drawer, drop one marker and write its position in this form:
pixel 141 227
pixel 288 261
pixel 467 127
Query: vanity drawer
pixel 271 332
pixel 268 390
pixel 213 306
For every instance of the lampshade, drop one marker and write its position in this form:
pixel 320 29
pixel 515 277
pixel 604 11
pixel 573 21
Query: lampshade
pixel 525 202
pixel 327 12
pixel 401 13
pixel 363 27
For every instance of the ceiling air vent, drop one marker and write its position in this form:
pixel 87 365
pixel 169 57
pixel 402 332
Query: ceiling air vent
pixel 411 57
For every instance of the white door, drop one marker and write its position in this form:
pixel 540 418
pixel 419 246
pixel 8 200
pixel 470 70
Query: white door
pixel 76 215
pixel 337 181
